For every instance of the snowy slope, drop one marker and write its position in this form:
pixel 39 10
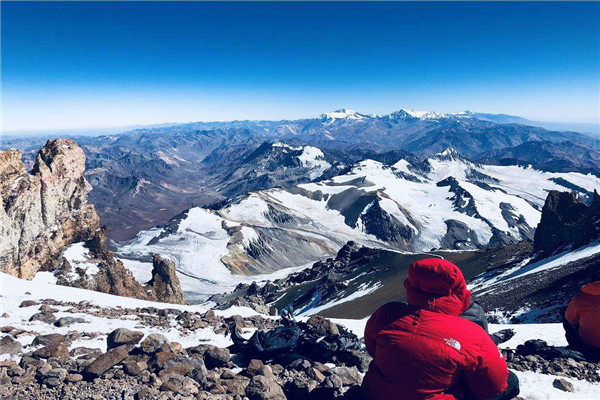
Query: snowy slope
pixel 447 202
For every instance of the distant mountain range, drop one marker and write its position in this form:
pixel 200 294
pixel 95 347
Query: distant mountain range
pixel 444 202
pixel 144 177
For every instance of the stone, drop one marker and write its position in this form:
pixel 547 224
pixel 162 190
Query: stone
pixel 47 308
pixel 104 362
pixel 30 362
pixel 122 336
pixel 55 377
pixel 134 368
pixel 563 384
pixel 46 317
pixel 333 381
pixel 215 357
pixel 315 374
pixel 356 358
pixel 159 359
pixel 349 376
pixel 23 380
pixel 323 326
pixel 143 394
pixel 264 388
pixel 80 351
pixel 182 365
pixel 5 315
pixel 9 346
pixel 51 338
pixel 68 321
pixel 256 367
pixel 74 378
pixel 179 384
pixel 152 343
pixel 27 303
pixel 57 350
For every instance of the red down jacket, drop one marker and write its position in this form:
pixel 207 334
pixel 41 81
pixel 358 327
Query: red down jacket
pixel 423 350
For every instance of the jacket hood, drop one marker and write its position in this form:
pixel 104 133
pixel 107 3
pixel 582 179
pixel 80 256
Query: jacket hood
pixel 437 285
pixel 592 288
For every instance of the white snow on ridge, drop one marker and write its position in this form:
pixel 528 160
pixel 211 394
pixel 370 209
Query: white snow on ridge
pixel 78 256
pixel 314 159
pixel 342 114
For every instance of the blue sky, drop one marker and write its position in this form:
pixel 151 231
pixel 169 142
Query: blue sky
pixel 83 65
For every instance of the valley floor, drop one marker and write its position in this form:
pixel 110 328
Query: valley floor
pixel 102 316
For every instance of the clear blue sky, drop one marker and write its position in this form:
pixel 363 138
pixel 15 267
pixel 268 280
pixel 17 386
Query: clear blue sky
pixel 82 65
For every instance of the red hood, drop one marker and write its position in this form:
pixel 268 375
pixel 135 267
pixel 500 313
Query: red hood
pixel 437 285
pixel 592 289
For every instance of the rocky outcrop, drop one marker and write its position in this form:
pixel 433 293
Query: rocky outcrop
pixel 43 211
pixel 112 276
pixel 567 221
pixel 164 283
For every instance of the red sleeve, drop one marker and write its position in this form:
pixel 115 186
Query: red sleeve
pixel 572 313
pixel 488 376
pixel 370 333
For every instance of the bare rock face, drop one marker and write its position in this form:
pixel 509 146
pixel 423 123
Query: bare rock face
pixel 567 221
pixel 45 210
pixel 164 283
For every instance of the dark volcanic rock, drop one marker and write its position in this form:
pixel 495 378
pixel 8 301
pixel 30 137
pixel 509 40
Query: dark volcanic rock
pixel 567 221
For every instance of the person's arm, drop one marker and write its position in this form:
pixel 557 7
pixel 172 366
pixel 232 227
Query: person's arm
pixel 488 375
pixel 370 332
pixel 572 313
pixel 475 313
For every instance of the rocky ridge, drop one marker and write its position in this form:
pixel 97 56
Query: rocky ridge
pixel 43 211
pixel 112 277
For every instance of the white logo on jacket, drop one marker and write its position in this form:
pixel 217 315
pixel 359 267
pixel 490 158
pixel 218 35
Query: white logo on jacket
pixel 453 343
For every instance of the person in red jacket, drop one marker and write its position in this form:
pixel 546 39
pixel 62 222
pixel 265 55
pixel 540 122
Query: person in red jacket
pixel 423 350
pixel 582 322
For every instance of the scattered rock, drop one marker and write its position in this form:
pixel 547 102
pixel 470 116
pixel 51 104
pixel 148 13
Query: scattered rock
pixel 323 325
pixel 27 303
pixel 51 338
pixel 9 346
pixel 74 377
pixel 264 388
pixel 123 336
pixel 215 357
pixel 563 385
pixel 46 317
pixel 57 350
pixel 152 343
pixel 68 321
pixel 107 360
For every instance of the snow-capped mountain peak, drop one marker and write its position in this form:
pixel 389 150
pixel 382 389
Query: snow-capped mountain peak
pixel 342 113
pixel 405 114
